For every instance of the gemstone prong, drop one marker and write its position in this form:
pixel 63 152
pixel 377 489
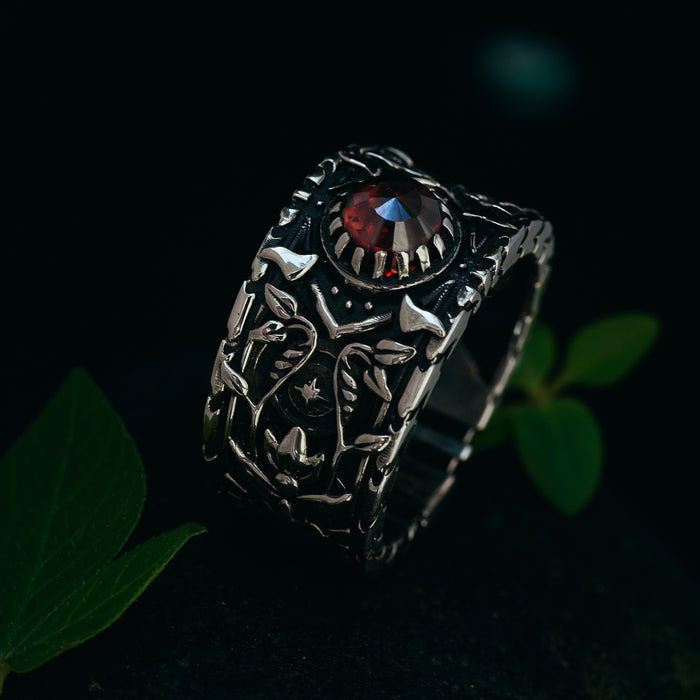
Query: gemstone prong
pixel 439 244
pixel 340 244
pixel 357 259
pixel 447 224
pixel 423 255
pixel 402 264
pixel 395 216
pixel 379 264
pixel 335 225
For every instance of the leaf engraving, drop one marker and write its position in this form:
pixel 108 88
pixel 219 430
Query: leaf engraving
pixel 299 344
pixel 282 304
pixel 349 395
pixel 376 381
pixel 390 352
pixel 270 332
pixel 347 381
pixel 233 380
pixel 297 347
pixel 347 398
pixel 292 265
pixel 371 443
pixel 358 361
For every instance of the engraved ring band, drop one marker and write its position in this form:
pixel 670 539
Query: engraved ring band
pixel 382 317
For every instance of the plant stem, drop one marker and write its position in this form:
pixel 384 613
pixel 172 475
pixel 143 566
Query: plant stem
pixel 4 671
pixel 256 409
pixel 542 394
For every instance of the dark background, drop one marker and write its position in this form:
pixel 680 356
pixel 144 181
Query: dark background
pixel 146 155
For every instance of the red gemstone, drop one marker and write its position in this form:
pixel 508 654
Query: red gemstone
pixel 394 216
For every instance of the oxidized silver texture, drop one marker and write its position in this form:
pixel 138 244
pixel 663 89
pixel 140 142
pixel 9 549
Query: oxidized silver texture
pixel 325 369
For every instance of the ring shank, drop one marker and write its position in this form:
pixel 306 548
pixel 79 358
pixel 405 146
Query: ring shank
pixel 471 382
pixel 344 404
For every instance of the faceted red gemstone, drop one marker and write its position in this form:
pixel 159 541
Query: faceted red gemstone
pixel 397 215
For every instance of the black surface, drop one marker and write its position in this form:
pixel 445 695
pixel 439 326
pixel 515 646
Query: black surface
pixel 146 157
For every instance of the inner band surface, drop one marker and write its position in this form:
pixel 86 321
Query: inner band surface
pixel 447 423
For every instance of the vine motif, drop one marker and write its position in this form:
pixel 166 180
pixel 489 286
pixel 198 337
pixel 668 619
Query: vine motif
pixel 358 367
pixel 285 307
pixel 289 458
pixel 359 364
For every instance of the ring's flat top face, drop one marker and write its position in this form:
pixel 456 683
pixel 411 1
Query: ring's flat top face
pixel 392 216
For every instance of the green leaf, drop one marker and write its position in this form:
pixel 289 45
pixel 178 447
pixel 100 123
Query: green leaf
pixel 100 600
pixel 561 447
pixel 71 491
pixel 537 359
pixel 604 351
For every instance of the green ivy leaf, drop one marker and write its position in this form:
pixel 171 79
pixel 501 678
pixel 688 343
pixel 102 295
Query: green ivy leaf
pixel 71 492
pixel 537 359
pixel 561 447
pixel 604 351
pixel 99 601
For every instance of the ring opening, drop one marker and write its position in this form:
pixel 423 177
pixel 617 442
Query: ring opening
pixel 446 423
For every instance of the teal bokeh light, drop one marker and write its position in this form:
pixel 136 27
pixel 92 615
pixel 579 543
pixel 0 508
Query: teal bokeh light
pixel 528 76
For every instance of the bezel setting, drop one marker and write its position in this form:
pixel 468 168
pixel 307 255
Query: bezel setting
pixel 411 268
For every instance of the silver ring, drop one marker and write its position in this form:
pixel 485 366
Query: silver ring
pixel 383 316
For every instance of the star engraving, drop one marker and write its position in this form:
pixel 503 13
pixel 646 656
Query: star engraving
pixel 310 392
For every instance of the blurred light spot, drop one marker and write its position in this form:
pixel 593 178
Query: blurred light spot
pixel 529 76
